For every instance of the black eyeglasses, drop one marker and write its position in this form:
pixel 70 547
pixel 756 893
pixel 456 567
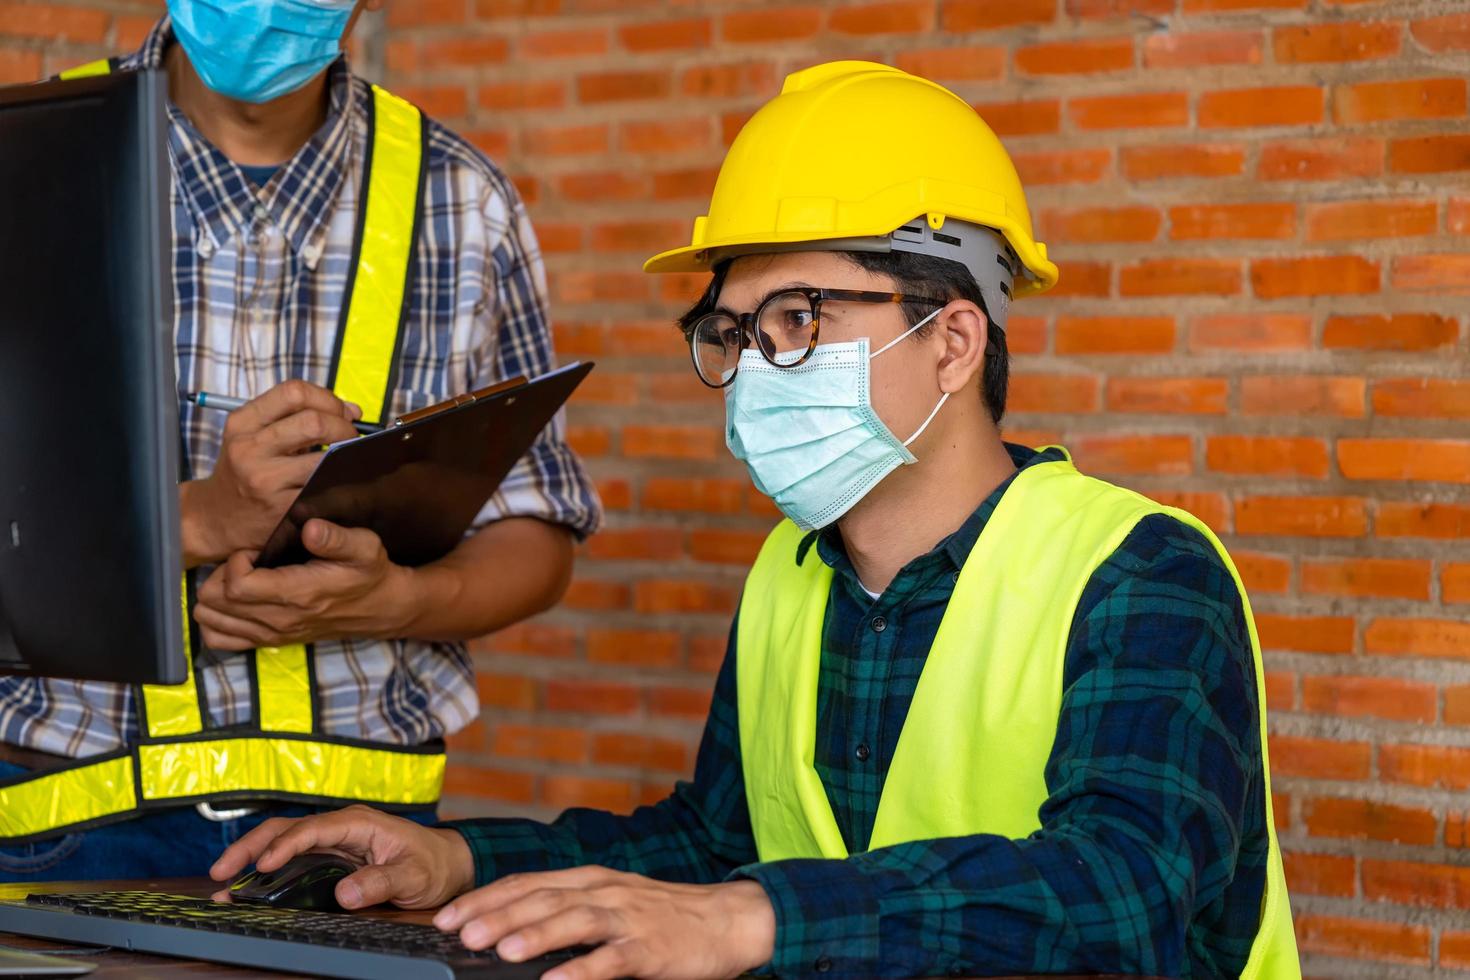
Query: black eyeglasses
pixel 785 328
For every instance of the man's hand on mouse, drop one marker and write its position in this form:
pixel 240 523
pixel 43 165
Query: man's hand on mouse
pixel 640 927
pixel 412 866
pixel 349 588
pixel 265 458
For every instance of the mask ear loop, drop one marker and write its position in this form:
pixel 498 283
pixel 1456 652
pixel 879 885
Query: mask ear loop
pixel 901 336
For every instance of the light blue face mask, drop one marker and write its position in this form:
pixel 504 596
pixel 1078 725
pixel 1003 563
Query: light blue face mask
pixel 809 435
pixel 259 50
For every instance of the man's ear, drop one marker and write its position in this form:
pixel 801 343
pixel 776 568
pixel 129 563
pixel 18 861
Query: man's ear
pixel 963 327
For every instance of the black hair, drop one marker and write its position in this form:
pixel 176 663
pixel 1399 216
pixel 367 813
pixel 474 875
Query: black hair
pixel 916 275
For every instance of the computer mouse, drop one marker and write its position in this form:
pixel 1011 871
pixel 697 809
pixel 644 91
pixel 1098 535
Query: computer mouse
pixel 307 881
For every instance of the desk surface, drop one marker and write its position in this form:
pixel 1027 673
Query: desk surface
pixel 113 963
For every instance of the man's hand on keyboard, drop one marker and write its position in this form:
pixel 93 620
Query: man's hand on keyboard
pixel 412 866
pixel 641 927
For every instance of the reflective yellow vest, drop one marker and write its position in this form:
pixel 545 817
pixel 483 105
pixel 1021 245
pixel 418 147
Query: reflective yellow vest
pixel 972 755
pixel 283 756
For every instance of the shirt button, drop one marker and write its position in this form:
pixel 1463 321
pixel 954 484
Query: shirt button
pixel 261 213
pixel 879 624
pixel 862 752
pixel 822 965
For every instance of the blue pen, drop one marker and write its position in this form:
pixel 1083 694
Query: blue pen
pixel 224 403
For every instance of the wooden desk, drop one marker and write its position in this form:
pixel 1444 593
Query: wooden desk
pixel 114 963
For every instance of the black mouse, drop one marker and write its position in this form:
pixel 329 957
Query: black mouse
pixel 307 881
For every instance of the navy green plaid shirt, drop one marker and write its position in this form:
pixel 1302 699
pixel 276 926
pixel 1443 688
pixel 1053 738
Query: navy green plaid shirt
pixel 1152 850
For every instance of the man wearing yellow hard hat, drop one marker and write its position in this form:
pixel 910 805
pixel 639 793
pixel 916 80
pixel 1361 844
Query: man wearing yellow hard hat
pixel 980 714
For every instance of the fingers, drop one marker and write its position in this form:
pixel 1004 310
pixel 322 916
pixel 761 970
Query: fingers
pixel 513 887
pixel 493 925
pixel 332 542
pixel 603 963
pixel 289 398
pixel 580 924
pixel 304 430
pixel 244 852
pixel 372 885
pixel 349 831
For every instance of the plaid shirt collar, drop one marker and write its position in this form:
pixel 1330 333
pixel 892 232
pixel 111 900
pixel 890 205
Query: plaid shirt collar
pixel 300 198
pixel 952 551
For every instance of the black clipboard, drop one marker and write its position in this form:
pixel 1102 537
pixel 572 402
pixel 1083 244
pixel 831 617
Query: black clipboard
pixel 420 482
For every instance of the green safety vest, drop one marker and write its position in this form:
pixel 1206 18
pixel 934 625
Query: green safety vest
pixel 971 758
pixel 283 756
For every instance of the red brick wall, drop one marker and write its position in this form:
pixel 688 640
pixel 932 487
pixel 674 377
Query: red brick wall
pixel 1261 212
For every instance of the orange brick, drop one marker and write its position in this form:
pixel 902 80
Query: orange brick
pixel 1370 219
pixel 1170 49
pixel 1331 158
pixel 1398 332
pixel 616 795
pixel 1388 698
pixel 591 697
pixel 1213 6
pixel 1446 460
pixel 1022 118
pixel 728 81
pixel 1309 634
pixel 1118 8
pixel 1391 578
pixel 1031 392
pixel 634 236
pixel 1447 273
pixel 1303 394
pixel 1262 573
pixel 1180 277
pixel 1428 98
pixel 491 784
pixel 1415 520
pixel 1085 225
pixel 671 596
pixel 726 547
pixel 19 66
pixel 640 543
pixel 1165 455
pixel 537 639
pixel 671 442
pixel 1336 42
pixel 981 15
pixel 1441 34
pixel 1427 398
pixel 622 86
pixel 498 9
pixel 1114 334
pixel 1429 154
pixel 426 13
pixel 1319 874
pixel 1444 638
pixel 567 140
pixel 1319 758
pixel 694 182
pixel 1333 517
pixel 710 496
pixel 549 94
pixel 1454 583
pixel 1280 690
pixel 889 17
pixel 1087 56
pixel 602 186
pixel 634 648
pixel 1317 275
pixel 1454 949
pixel 595 595
pixel 1185 160
pixel 1285 105
pixel 1084 279
pixel 510 692
pixel 765 26
pixel 1439 766
pixel 679 702
pixel 1026 334
pixel 1212 508
pixel 1151 109
pixel 967 64
pixel 1267 456
pixel 1084 166
pixel 1392 942
pixel 1250 332
pixel 440 101
pixel 1184 396
pixel 666 35
pixel 640 751
pixel 564 43
pixel 54 23
pixel 1232 221
pixel 1457 221
pixel 1413 883
pixel 1365 819
pixel 658 137
pixel 541 742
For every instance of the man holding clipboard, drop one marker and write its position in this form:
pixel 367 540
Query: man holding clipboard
pixel 311 281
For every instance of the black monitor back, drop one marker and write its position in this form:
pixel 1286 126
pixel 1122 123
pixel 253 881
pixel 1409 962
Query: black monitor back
pixel 89 530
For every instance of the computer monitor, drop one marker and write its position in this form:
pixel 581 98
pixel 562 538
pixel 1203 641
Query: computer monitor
pixel 89 439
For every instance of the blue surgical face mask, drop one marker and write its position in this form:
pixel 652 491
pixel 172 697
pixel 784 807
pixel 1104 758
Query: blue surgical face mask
pixel 809 435
pixel 259 50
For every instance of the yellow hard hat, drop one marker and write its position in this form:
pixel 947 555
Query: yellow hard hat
pixel 855 150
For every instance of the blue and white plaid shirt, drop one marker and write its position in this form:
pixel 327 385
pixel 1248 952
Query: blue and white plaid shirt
pixel 259 277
